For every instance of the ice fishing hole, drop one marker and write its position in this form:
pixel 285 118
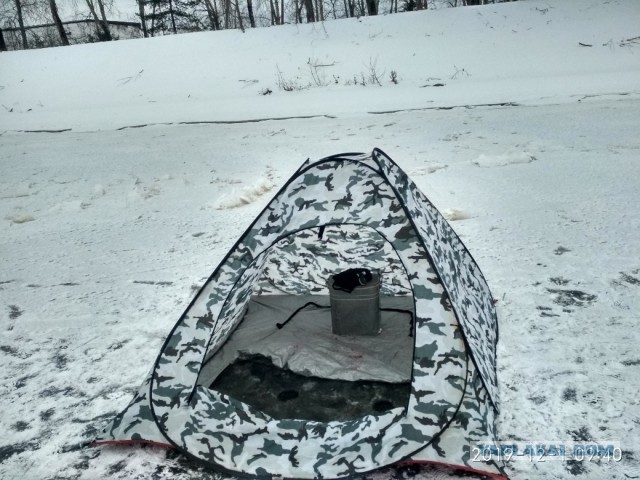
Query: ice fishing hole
pixel 287 395
pixel 382 405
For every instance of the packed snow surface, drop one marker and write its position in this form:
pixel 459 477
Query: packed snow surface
pixel 530 144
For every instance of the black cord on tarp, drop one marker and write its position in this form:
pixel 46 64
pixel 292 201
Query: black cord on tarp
pixel 399 310
pixel 280 325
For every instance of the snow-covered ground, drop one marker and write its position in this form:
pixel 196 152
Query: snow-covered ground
pixel 105 234
pixel 523 52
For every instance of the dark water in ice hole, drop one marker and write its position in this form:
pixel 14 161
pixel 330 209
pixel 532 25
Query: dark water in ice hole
pixel 283 394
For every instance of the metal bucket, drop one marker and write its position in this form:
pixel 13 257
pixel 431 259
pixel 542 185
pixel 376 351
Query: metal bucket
pixel 358 312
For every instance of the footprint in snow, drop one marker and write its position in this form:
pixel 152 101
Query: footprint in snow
pixel 426 170
pixel 627 279
pixel 572 298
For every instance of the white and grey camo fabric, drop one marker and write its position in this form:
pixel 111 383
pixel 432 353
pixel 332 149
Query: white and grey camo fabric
pixel 301 264
pixel 331 211
pixel 467 288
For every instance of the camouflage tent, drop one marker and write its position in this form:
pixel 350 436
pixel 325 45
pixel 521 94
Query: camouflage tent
pixel 344 210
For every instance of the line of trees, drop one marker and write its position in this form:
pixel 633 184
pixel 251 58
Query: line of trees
pixel 24 16
pixel 162 17
pixel 175 16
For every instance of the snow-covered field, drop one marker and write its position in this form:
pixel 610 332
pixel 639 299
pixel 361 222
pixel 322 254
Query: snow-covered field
pixel 105 234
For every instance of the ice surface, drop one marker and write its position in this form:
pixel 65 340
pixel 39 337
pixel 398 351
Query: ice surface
pixel 124 227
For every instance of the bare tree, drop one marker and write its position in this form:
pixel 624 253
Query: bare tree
pixel 23 31
pixel 173 17
pixel 372 7
pixel 227 13
pixel 56 19
pixel 103 15
pixel 153 19
pixel 352 8
pixel 3 45
pixel 101 23
pixel 275 16
pixel 143 19
pixel 333 9
pixel 252 20
pixel 308 6
pixel 298 11
pixel 212 12
pixel 239 16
